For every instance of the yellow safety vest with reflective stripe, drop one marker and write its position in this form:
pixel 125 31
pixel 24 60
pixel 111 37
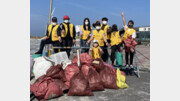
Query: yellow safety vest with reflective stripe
pixel 115 38
pixel 96 53
pixel 105 30
pixel 54 36
pixel 98 36
pixel 66 29
pixel 128 33
pixel 85 34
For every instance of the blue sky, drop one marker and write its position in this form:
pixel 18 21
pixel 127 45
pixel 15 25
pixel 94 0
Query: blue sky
pixel 77 10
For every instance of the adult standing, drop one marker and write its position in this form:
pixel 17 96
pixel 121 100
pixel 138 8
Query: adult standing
pixel 105 27
pixel 116 42
pixel 129 32
pixel 52 36
pixel 98 34
pixel 85 32
pixel 68 34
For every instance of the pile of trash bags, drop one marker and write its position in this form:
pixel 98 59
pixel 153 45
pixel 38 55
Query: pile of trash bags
pixel 91 75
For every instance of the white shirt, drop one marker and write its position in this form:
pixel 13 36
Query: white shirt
pixel 133 35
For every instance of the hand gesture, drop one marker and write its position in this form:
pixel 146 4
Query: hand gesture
pixel 59 38
pixel 122 14
pixel 74 41
pixel 87 43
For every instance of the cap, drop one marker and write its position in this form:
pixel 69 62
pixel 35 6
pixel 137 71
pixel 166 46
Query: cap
pixel 66 17
pixel 54 19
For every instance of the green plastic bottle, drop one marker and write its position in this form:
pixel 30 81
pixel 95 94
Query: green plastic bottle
pixel 119 58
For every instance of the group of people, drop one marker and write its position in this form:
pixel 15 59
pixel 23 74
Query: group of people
pixel 103 36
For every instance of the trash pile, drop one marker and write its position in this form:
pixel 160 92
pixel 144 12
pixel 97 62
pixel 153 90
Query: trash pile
pixel 77 80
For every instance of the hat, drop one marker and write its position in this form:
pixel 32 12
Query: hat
pixel 66 17
pixel 54 19
pixel 94 41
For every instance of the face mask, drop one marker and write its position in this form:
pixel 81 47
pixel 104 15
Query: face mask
pixel 86 23
pixel 53 23
pixel 130 26
pixel 104 22
pixel 66 21
pixel 114 29
pixel 97 27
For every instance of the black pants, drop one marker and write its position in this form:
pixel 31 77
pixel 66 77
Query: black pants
pixel 67 43
pixel 114 48
pixel 131 57
pixel 48 41
pixel 105 50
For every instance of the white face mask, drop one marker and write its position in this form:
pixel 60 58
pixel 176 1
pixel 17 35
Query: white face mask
pixel 66 21
pixel 104 22
pixel 86 23
pixel 53 23
pixel 97 27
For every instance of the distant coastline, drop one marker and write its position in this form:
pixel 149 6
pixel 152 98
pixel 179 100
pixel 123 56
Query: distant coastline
pixel 35 37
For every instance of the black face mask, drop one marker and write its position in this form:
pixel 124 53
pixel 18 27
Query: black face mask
pixel 130 26
pixel 114 29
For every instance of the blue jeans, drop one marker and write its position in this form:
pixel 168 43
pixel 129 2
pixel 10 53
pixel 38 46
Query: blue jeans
pixel 83 44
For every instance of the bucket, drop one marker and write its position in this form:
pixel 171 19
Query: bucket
pixel 119 59
pixel 36 55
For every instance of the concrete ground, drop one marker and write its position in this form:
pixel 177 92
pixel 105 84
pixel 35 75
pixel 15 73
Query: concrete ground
pixel 138 90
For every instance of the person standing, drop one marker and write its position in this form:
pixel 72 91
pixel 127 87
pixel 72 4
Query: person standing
pixel 98 34
pixel 105 27
pixel 129 32
pixel 116 42
pixel 85 32
pixel 68 34
pixel 52 36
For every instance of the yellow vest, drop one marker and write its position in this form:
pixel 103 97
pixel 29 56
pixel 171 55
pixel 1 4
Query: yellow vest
pixel 66 29
pixel 96 52
pixel 128 33
pixel 98 36
pixel 54 36
pixel 115 38
pixel 85 33
pixel 105 30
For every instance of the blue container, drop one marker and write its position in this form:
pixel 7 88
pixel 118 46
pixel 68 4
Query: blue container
pixel 44 54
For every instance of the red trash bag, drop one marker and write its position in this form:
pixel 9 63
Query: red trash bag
pixel 53 91
pixel 61 84
pixel 79 86
pixel 98 64
pixel 56 72
pixel 94 80
pixel 45 88
pixel 108 79
pixel 110 67
pixel 70 70
pixel 85 69
pixel 122 73
pixel 84 59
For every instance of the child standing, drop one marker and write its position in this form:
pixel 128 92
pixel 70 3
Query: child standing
pixel 95 51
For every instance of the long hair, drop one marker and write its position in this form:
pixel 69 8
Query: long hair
pixel 114 28
pixel 89 25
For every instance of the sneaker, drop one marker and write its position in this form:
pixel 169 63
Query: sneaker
pixel 38 52
pixel 127 66
pixel 131 66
